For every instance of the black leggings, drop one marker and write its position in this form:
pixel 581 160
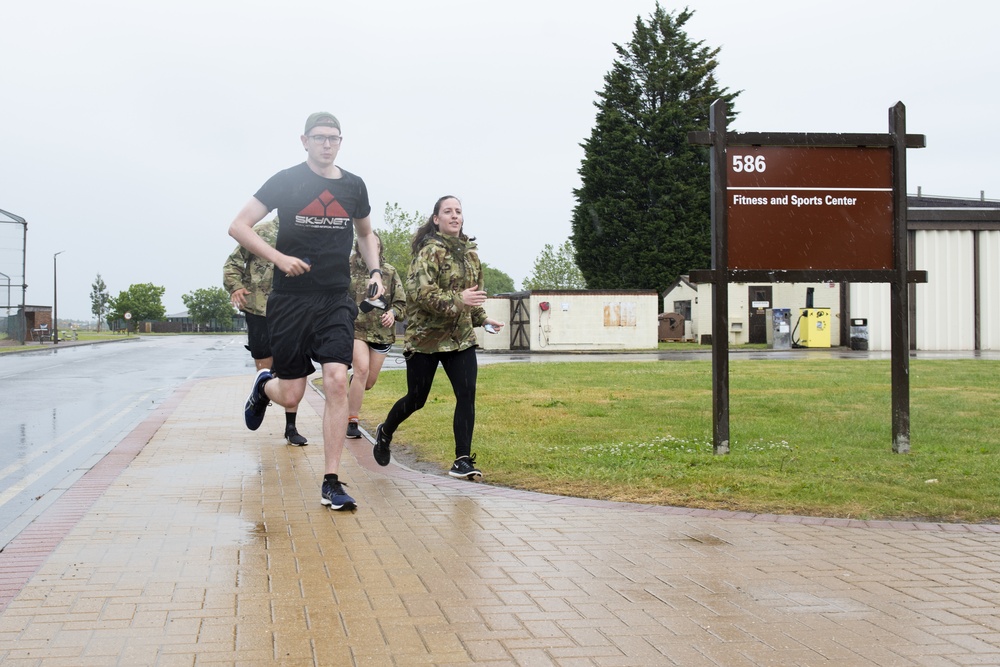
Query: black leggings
pixel 462 369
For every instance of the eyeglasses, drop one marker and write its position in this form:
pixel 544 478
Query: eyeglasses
pixel 321 139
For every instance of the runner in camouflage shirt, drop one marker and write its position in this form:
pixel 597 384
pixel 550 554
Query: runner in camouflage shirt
pixel 374 332
pixel 247 278
pixel 245 271
pixel 444 303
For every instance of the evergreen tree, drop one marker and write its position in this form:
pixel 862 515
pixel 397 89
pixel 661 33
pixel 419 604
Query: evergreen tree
pixel 99 298
pixel 555 269
pixel 643 213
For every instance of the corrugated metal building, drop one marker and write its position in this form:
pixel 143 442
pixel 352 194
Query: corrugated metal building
pixel 957 241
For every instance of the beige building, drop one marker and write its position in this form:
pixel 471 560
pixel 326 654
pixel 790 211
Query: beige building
pixel 956 241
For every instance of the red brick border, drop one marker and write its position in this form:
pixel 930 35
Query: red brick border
pixel 21 558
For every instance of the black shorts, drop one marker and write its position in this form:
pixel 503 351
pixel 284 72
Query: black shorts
pixel 258 339
pixel 310 327
pixel 381 348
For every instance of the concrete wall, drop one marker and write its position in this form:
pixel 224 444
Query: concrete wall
pixel 580 320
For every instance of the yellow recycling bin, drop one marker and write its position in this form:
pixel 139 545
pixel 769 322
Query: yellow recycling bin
pixel 814 327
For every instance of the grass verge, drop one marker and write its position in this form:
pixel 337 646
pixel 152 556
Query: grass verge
pixel 809 437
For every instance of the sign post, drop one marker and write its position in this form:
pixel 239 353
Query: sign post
pixel 806 207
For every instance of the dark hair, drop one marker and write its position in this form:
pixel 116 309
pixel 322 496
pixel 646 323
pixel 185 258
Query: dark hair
pixel 359 260
pixel 429 227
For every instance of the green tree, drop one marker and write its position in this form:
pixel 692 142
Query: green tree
pixel 144 301
pixel 556 269
pixel 643 212
pixel 99 298
pixel 210 305
pixel 397 234
pixel 496 281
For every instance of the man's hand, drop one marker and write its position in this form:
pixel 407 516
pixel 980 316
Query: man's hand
pixel 375 286
pixel 292 266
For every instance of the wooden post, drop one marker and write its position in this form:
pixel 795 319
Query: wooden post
pixel 720 286
pixel 899 289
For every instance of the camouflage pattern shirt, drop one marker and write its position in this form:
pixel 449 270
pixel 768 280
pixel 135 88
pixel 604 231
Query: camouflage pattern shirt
pixel 437 320
pixel 244 269
pixel 368 326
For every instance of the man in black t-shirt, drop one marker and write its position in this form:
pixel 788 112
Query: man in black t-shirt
pixel 310 314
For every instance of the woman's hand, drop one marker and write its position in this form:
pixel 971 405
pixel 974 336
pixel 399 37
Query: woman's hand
pixel 388 318
pixel 474 296
pixel 496 325
pixel 239 298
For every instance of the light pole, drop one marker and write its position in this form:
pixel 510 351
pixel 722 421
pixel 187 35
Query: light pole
pixel 55 300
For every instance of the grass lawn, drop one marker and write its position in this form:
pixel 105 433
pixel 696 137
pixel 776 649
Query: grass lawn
pixel 809 437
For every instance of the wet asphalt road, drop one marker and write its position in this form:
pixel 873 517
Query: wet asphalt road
pixel 64 408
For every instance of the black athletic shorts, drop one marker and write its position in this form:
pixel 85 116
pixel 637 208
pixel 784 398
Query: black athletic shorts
pixel 309 327
pixel 258 339
pixel 381 348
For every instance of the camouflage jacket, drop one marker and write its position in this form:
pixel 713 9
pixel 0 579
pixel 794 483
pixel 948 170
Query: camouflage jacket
pixel 437 320
pixel 368 326
pixel 244 269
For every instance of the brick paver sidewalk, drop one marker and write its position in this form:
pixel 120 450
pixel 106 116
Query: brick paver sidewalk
pixel 208 546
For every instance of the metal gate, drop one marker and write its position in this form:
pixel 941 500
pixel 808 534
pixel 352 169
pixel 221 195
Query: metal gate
pixel 520 322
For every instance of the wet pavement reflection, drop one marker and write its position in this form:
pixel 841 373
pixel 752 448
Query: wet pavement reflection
pixel 211 547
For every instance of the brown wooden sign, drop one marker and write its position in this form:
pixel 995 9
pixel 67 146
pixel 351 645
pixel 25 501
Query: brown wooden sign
pixel 809 207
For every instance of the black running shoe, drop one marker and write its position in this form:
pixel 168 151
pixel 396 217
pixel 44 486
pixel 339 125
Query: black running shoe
pixel 293 438
pixel 465 468
pixel 257 401
pixel 352 430
pixel 380 452
pixel 335 497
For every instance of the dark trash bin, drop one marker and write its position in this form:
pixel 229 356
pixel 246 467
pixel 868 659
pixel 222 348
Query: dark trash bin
pixel 859 333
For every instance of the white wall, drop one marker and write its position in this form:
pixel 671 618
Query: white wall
pixel 871 301
pixel 989 290
pixel 497 309
pixel 594 321
pixel 945 308
pixel 578 321
pixel 783 295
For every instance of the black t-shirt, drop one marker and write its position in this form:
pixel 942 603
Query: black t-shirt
pixel 315 222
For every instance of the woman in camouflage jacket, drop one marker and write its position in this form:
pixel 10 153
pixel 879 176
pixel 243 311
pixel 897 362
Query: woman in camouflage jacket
pixel 374 331
pixel 444 302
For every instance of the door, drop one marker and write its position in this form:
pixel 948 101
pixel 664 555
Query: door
pixel 759 298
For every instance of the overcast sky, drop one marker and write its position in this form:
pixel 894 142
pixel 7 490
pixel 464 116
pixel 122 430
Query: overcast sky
pixel 132 132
